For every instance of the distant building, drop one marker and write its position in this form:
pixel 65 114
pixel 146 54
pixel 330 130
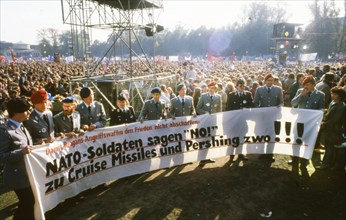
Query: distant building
pixel 20 50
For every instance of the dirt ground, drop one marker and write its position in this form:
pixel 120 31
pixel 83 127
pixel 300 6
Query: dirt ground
pixel 251 189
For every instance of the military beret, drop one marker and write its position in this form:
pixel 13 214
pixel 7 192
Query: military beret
pixel 18 105
pixel 240 81
pixel 156 90
pixel 121 98
pixel 39 96
pixel 309 79
pixel 180 86
pixel 212 83
pixel 85 92
pixel 69 99
pixel 267 76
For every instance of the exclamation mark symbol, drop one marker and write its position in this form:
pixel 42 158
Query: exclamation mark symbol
pixel 288 131
pixel 300 132
pixel 209 131
pixel 277 128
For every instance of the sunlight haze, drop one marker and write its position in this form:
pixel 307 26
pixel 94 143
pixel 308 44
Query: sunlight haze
pixel 20 20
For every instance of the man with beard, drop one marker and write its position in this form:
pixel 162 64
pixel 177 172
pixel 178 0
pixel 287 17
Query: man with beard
pixel 67 123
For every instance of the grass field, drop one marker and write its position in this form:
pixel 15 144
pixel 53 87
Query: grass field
pixel 222 190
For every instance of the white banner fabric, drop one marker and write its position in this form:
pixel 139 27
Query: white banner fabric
pixel 65 168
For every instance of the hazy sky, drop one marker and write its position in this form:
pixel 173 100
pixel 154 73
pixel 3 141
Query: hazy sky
pixel 20 19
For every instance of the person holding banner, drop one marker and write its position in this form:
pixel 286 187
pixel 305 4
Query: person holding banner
pixel 40 123
pixel 307 98
pixel 153 109
pixel 67 122
pixel 122 114
pixel 92 112
pixel 268 95
pixel 182 105
pixel 239 100
pixel 16 142
pixel 209 103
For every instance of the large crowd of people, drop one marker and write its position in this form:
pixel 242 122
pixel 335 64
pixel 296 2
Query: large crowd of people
pixel 40 96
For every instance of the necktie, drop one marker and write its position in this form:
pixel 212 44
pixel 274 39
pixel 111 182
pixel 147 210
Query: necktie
pixel 309 94
pixel 89 110
pixel 211 98
pixel 23 129
pixel 183 102
pixel 157 105
pixel 240 94
pixel 45 118
pixel 71 122
pixel 268 89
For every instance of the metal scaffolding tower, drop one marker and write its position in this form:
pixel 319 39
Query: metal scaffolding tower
pixel 123 17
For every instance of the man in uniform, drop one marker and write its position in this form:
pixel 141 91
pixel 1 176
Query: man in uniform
pixel 153 109
pixel 238 100
pixel 16 142
pixel 182 105
pixel 267 96
pixel 92 112
pixel 209 102
pixel 67 123
pixel 122 114
pixel 40 123
pixel 308 98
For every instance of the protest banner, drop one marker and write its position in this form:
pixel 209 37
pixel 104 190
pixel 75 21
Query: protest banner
pixel 65 168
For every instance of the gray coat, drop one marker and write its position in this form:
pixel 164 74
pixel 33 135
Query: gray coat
pixel 13 140
pixel 315 101
pixel 206 104
pixel 63 123
pixel 150 112
pixel 265 99
pixel 38 128
pixel 97 116
pixel 177 109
